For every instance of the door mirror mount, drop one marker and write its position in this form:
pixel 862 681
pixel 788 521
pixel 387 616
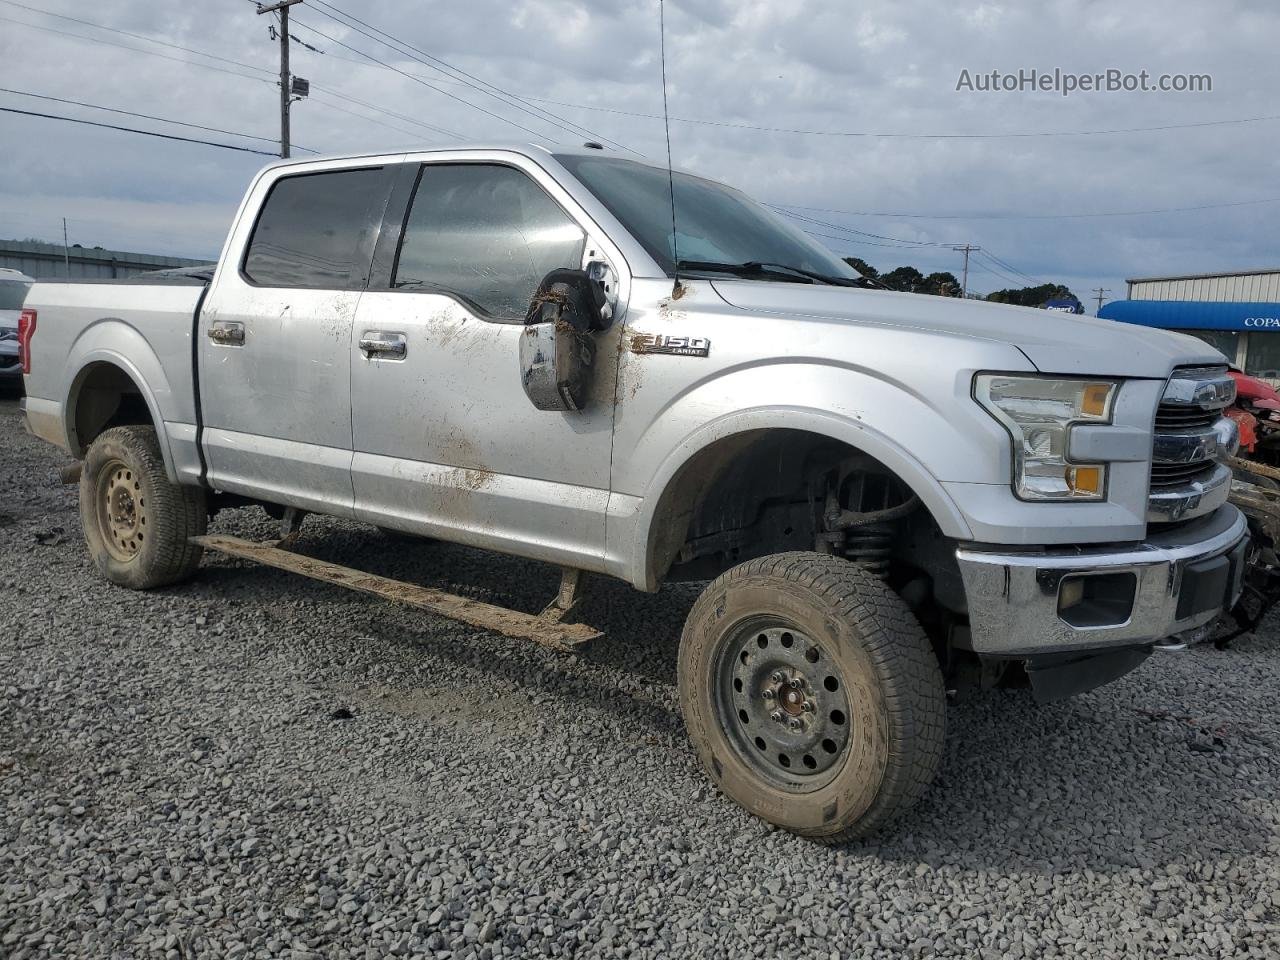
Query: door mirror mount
pixel 556 349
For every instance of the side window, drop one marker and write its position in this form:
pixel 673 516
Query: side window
pixel 487 233
pixel 311 229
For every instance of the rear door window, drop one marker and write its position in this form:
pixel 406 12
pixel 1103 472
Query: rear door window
pixel 313 228
pixel 485 233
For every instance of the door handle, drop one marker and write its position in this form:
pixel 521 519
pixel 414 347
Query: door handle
pixel 227 333
pixel 377 344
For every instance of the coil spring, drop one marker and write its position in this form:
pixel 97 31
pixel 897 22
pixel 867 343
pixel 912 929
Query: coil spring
pixel 870 547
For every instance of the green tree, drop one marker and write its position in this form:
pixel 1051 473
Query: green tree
pixel 906 279
pixel 864 268
pixel 941 284
pixel 1031 296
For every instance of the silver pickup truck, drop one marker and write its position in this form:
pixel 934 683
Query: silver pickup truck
pixel 889 495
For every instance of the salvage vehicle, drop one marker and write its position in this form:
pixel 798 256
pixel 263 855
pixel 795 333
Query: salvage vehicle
pixel 524 350
pixel 13 291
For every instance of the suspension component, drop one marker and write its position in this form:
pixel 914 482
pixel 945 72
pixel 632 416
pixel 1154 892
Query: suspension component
pixel 861 511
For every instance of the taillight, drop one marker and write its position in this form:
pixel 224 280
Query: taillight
pixel 26 330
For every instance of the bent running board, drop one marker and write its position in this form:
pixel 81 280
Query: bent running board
pixel 544 629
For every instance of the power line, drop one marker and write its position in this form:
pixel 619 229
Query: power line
pixel 135 36
pixel 443 131
pixel 1037 216
pixel 220 69
pixel 997 273
pixel 418 80
pixel 360 116
pixel 145 133
pixel 457 73
pixel 868 134
pixel 863 233
pixel 864 243
pixel 898 243
pixel 149 53
pixel 1035 281
pixel 142 116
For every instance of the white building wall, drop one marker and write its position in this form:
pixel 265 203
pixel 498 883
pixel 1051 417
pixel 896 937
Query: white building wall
pixel 1261 287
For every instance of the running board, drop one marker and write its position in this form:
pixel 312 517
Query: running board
pixel 544 629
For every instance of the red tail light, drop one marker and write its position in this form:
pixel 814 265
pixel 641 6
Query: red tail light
pixel 26 330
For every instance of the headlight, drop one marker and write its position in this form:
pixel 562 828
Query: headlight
pixel 1038 413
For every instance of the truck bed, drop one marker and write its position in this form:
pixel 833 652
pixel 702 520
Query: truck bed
pixel 143 325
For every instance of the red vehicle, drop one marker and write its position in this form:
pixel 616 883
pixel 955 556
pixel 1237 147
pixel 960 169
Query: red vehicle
pixel 1257 413
pixel 1255 489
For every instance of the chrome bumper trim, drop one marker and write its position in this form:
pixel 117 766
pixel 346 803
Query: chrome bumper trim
pixel 1013 596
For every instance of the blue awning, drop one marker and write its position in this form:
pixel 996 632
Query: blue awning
pixel 1194 314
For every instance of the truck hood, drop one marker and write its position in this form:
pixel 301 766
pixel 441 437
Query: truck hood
pixel 1053 342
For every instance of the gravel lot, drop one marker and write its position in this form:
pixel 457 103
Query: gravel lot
pixel 255 765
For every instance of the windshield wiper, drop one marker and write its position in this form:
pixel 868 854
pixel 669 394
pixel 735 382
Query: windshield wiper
pixel 758 268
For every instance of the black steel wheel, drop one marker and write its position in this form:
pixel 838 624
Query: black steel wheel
pixel 811 695
pixel 783 702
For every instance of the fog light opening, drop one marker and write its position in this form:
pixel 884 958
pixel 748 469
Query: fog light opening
pixel 1097 600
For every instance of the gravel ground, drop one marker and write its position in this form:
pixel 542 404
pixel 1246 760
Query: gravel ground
pixel 254 765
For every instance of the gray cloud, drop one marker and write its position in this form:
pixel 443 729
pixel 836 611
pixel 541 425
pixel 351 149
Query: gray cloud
pixel 871 66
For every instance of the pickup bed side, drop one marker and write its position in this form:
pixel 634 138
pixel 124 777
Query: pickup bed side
pixel 111 353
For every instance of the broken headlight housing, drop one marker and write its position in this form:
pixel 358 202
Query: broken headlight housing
pixel 1038 413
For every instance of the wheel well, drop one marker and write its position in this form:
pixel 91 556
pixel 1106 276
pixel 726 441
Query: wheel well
pixel 105 397
pixel 768 491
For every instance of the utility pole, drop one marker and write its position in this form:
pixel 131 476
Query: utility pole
pixel 1098 293
pixel 966 249
pixel 286 92
pixel 66 251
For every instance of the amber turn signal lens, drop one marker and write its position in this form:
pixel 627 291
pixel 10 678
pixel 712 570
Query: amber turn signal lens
pixel 1094 401
pixel 1085 481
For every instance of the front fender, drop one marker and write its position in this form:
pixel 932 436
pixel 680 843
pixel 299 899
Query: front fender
pixel 869 438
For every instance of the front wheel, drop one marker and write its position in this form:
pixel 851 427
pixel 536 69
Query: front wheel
pixel 811 695
pixel 138 525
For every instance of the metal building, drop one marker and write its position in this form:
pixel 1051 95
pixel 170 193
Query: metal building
pixel 49 261
pixel 1239 313
pixel 1253 286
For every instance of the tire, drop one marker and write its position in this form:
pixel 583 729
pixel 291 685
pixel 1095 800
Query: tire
pixel 137 524
pixel 870 705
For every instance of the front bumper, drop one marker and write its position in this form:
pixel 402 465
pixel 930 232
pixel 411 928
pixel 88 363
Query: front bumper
pixel 1174 581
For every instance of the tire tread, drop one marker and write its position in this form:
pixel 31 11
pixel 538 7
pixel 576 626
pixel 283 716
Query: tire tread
pixel 905 661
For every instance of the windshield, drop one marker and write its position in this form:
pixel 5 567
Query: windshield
pixel 12 293
pixel 716 223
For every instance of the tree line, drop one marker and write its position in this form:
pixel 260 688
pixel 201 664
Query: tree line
pixel 943 283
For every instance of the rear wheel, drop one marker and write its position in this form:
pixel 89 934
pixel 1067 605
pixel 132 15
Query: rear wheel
pixel 138 525
pixel 811 694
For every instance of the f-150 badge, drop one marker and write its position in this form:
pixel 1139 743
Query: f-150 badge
pixel 674 346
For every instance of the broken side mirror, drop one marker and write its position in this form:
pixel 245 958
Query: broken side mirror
pixel 557 352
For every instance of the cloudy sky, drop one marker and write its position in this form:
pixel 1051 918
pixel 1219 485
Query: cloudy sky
pixel 846 112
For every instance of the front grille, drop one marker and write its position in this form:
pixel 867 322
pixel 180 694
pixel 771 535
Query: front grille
pixel 1193 403
pixel 1177 474
pixel 1174 417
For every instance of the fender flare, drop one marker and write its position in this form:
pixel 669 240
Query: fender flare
pixel 84 363
pixel 823 423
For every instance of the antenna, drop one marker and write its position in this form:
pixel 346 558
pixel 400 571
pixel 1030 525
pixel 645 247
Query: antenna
pixel 666 123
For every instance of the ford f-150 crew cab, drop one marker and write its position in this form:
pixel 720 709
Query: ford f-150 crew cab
pixel 523 350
